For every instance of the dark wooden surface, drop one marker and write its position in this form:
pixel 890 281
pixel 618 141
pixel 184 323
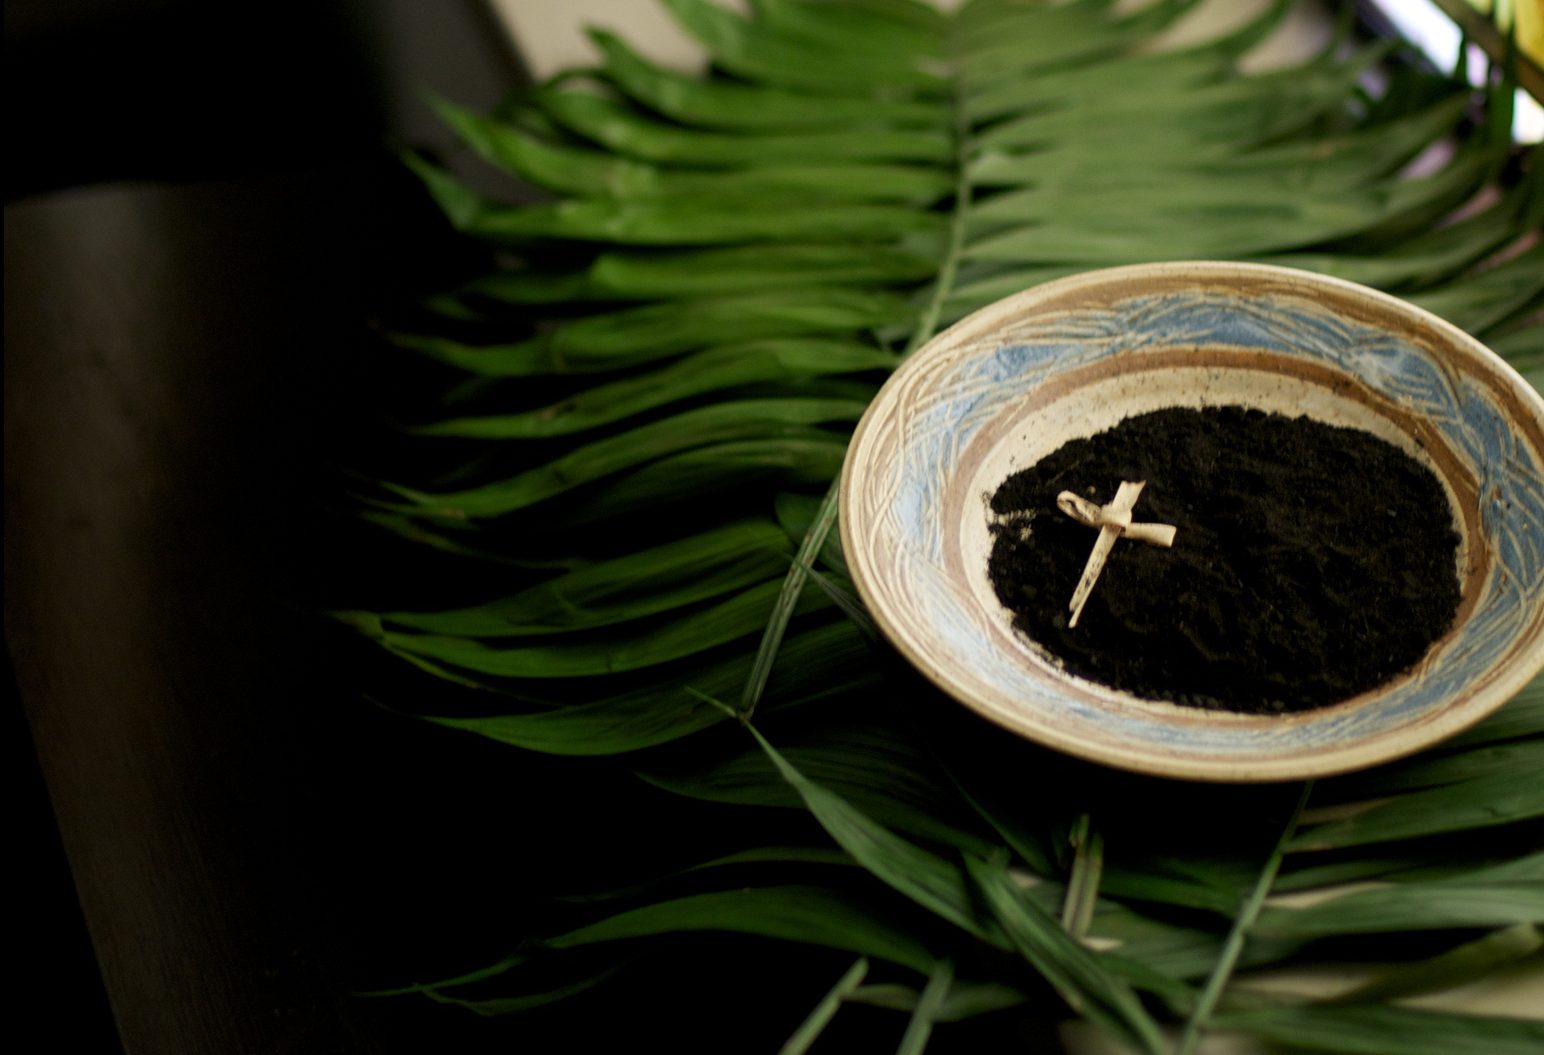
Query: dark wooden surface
pixel 152 445
pixel 187 310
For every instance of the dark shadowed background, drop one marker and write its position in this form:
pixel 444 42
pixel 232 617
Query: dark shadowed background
pixel 202 221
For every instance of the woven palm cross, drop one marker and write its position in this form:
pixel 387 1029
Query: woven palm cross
pixel 1114 522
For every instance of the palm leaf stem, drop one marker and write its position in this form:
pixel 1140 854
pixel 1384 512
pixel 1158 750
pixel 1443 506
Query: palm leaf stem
pixel 928 1005
pixel 787 602
pixel 825 517
pixel 1083 879
pixel 1231 949
pixel 810 1029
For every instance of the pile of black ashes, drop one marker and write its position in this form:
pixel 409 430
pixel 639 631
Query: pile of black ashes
pixel 1311 563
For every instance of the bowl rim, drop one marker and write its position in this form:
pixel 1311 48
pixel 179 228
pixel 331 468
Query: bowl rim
pixel 1520 667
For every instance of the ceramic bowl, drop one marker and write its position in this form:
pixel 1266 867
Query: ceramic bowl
pixel 1071 358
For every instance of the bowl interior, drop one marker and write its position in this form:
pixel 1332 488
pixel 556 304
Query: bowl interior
pixel 1098 398
pixel 1070 359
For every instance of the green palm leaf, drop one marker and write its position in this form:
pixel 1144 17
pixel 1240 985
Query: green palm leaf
pixel 648 400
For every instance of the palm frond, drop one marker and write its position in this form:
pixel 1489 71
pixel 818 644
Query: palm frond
pixel 645 405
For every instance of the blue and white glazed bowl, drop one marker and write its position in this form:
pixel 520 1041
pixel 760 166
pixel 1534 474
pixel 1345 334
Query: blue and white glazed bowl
pixel 1071 358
